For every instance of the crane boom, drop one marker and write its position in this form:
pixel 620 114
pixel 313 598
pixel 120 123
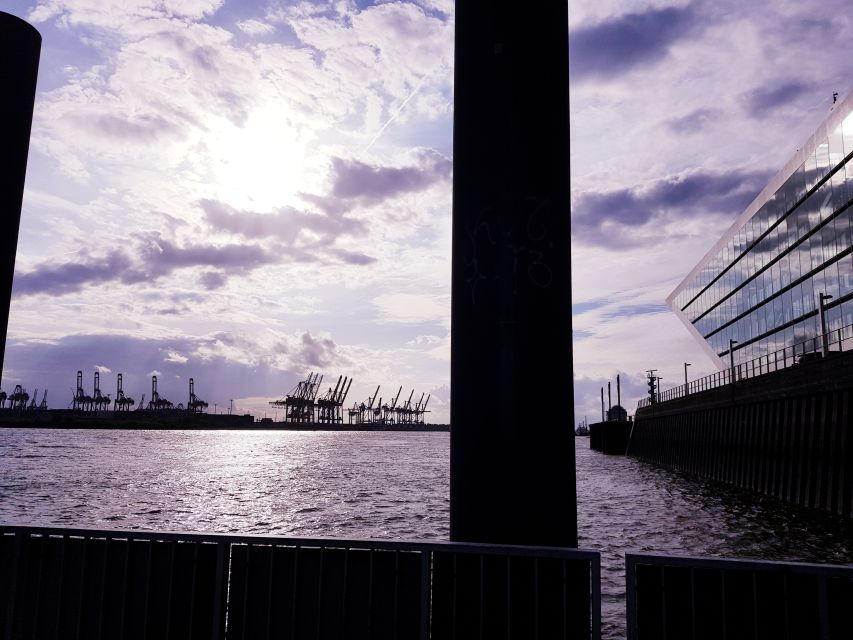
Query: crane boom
pixel 347 391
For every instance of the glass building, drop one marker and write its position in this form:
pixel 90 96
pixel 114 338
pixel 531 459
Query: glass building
pixel 759 284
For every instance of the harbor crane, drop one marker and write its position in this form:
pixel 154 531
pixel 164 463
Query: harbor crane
pixel 18 399
pixel 82 401
pixel 299 403
pixel 388 410
pixel 157 403
pixel 122 402
pixel 195 404
pixel 100 402
pixel 329 406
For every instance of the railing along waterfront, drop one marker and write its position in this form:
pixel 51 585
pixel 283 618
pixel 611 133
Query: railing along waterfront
pixel 837 340
pixel 76 583
pixel 699 598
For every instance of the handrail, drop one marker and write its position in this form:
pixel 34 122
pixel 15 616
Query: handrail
pixel 774 361
pixel 118 583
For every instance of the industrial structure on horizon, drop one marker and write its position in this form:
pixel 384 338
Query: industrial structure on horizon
pixel 302 406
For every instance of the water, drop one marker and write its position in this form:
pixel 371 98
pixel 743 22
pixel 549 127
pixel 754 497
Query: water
pixel 377 485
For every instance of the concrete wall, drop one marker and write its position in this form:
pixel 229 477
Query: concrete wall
pixel 788 434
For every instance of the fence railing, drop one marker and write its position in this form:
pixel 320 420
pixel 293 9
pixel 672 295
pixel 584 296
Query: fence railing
pixel 74 583
pixel 698 598
pixel 837 340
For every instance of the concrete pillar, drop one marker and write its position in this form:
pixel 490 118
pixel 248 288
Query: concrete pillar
pixel 20 45
pixel 512 463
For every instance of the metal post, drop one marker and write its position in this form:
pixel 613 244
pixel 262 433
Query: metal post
pixel 609 403
pixel 732 344
pixel 824 338
pixel 618 392
pixel 512 462
pixel 20 46
pixel 686 387
pixel 602 404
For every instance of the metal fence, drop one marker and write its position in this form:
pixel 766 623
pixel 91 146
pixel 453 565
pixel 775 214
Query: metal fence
pixel 90 584
pixel 837 340
pixel 700 598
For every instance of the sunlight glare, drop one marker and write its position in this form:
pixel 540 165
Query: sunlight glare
pixel 259 166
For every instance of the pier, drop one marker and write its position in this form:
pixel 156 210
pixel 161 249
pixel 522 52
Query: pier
pixel 784 433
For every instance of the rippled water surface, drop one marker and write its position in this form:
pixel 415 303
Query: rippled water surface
pixel 377 485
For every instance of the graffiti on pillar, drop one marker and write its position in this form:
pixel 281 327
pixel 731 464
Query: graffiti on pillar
pixel 510 240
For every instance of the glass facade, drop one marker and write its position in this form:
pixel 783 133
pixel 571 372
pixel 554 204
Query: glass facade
pixel 760 283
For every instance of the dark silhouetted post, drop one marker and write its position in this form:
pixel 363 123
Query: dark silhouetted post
pixel 512 461
pixel 609 402
pixel 824 334
pixel 618 391
pixel 20 45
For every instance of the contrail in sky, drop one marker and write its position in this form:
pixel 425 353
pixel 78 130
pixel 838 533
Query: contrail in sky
pixel 402 106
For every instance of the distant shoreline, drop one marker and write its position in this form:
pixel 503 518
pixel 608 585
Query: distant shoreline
pixel 179 420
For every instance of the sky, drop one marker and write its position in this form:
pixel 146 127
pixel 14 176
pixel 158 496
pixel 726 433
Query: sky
pixel 246 192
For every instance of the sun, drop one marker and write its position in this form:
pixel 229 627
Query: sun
pixel 259 165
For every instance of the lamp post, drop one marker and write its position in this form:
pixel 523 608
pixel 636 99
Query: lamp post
pixel 686 387
pixel 824 338
pixel 732 344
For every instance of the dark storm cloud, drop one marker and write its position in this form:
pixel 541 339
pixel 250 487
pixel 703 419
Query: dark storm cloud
pixel 615 46
pixel 684 196
pixel 694 122
pixel 760 102
pixel 356 180
pixel 154 258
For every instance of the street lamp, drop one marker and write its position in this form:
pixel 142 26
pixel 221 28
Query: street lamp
pixel 686 387
pixel 732 344
pixel 822 298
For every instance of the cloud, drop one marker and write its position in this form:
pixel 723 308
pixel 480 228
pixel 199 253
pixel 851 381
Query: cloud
pixel 694 122
pixel 69 277
pixel 682 196
pixel 143 128
pixel 412 308
pixel 352 257
pixel 316 352
pixel 617 45
pixel 154 258
pixel 224 365
pixel 636 310
pixel 286 224
pixel 212 280
pixel 175 357
pixel 759 103
pixel 353 179
pixel 255 27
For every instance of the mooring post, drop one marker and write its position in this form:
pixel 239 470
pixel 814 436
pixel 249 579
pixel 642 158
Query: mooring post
pixel 512 461
pixel 20 46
